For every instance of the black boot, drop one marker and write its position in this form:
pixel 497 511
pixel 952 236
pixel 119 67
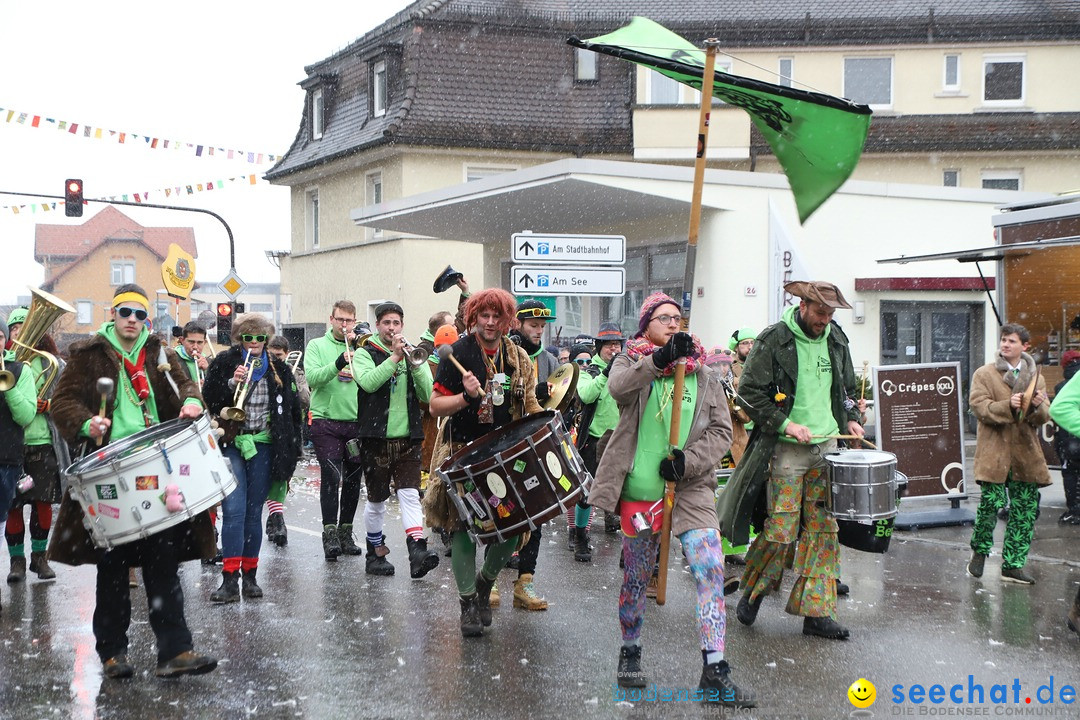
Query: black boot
pixel 611 522
pixel 251 588
pixel 825 627
pixel 421 560
pixel 747 610
pixel 446 540
pixel 348 544
pixel 276 532
pixel 331 546
pixel 718 687
pixel 483 598
pixel 582 551
pixel 629 673
pixel 229 592
pixel 18 569
pixel 470 617
pixel 377 564
pixel 1073 621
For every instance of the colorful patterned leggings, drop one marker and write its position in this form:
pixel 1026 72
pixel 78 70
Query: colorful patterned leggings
pixel 1023 501
pixel 702 548
pixel 799 533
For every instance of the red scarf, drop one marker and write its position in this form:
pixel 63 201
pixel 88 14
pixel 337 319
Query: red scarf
pixel 638 347
pixel 137 374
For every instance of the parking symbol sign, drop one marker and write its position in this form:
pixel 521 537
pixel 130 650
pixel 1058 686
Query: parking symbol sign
pixel 543 248
pixel 542 281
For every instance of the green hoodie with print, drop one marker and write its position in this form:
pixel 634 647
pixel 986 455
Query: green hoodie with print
pixel 812 405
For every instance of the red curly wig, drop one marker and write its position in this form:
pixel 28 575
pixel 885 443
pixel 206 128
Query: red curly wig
pixel 495 299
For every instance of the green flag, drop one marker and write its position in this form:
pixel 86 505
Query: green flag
pixel 817 138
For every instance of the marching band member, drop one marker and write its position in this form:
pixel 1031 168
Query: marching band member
pixel 498 386
pixel 328 366
pixel 262 447
pixel 46 453
pixel 192 350
pixel 1065 410
pixel 632 476
pixel 126 352
pixel 276 531
pixel 389 400
pixel 796 383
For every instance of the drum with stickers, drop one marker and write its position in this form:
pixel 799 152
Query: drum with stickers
pixel 149 481
pixel 514 479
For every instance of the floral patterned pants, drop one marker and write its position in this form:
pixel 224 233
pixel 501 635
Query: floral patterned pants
pixel 1023 502
pixel 799 533
pixel 702 548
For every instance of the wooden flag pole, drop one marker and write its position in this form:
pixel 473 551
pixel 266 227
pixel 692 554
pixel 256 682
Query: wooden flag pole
pixel 688 287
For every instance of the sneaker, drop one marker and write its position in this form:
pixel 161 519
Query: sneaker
pixel 975 565
pixel 186 663
pixel 118 667
pixel 1017 575
pixel 718 687
pixel 825 627
pixel 747 609
pixel 629 673
pixel 1070 517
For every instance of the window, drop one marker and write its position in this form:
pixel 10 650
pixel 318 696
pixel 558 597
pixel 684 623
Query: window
pixel 84 312
pixel 869 81
pixel 787 69
pixel 122 272
pixel 952 74
pixel 1001 179
pixel 374 196
pixel 950 178
pixel 648 269
pixel 660 89
pixel 585 65
pixel 378 89
pixel 313 219
pixel 477 172
pixel 1003 80
pixel 317 117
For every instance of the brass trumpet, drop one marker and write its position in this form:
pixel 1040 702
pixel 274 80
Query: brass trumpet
pixel 236 411
pixel 7 378
pixel 293 359
pixel 414 356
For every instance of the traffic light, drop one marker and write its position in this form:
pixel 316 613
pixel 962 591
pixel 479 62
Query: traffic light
pixel 224 323
pixel 73 197
pixel 238 307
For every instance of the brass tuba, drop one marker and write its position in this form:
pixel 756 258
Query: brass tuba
pixel 45 309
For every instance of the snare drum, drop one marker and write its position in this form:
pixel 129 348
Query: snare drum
pixel 121 487
pixel 871 536
pixel 515 478
pixel 862 485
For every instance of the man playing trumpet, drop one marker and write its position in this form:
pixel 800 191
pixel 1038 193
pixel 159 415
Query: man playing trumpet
pixel 394 379
pixel 191 351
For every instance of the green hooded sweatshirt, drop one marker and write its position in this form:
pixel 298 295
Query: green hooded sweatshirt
pixel 127 417
pixel 594 390
pixel 813 401
pixel 331 398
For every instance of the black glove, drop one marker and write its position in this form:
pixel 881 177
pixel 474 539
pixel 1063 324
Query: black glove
pixel 341 362
pixel 674 468
pixel 680 345
pixel 542 392
pixel 606 372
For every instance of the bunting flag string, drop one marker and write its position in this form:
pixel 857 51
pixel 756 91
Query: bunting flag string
pixel 28 119
pixel 161 195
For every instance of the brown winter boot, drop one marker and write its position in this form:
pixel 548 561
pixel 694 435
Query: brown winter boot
pixel 40 565
pixel 525 596
pixel 18 569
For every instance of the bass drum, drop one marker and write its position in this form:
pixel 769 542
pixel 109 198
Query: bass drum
pixel 514 479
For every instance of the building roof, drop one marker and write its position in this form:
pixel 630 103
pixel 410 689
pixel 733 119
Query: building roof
pixel 512 85
pixel 72 242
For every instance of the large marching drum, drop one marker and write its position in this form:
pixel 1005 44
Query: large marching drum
pixel 514 479
pixel 126 488
pixel 864 494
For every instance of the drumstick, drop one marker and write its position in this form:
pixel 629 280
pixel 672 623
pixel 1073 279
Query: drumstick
pixel 865 371
pixel 669 487
pixel 445 351
pixel 105 387
pixel 845 437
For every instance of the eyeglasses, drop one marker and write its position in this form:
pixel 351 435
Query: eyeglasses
pixel 343 321
pixel 668 319
pixel 534 312
pixel 125 312
pixel 582 361
pixel 253 338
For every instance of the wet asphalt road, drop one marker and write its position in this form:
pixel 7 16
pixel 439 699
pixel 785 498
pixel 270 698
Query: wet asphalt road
pixel 328 641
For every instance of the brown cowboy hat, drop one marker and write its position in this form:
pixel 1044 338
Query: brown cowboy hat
pixel 817 291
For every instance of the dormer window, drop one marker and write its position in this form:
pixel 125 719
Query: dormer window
pixel 318 114
pixel 378 89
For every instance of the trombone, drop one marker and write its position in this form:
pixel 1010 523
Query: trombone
pixel 236 410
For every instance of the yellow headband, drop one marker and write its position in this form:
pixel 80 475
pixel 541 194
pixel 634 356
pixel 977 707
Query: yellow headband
pixel 131 297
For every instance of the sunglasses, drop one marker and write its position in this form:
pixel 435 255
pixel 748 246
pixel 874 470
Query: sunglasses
pixel 534 312
pixel 582 361
pixel 253 338
pixel 125 312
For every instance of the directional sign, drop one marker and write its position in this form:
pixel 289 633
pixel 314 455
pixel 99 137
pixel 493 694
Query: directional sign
pixel 568 249
pixel 538 279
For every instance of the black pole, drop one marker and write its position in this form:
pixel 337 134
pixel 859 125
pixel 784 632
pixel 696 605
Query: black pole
pixel 989 294
pixel 232 245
